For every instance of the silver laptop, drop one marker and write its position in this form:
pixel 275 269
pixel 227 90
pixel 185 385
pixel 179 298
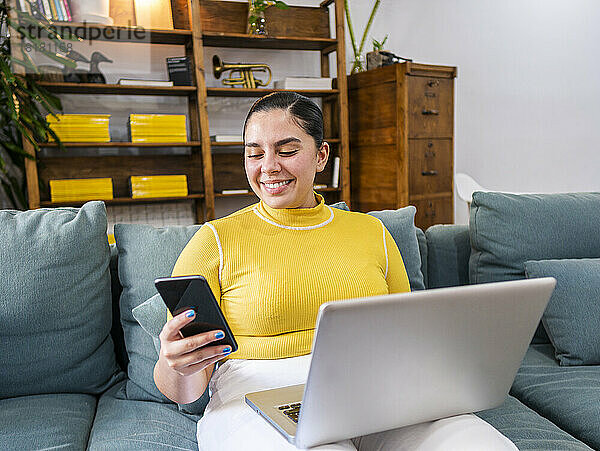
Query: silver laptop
pixel 389 361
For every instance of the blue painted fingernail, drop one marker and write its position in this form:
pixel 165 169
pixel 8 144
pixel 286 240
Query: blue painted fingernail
pixel 219 335
pixel 226 350
pixel 189 313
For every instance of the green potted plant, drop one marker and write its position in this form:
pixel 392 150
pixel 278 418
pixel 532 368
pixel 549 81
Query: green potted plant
pixel 375 58
pixel 23 102
pixel 257 23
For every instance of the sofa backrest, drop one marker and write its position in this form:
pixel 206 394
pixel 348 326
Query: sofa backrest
pixel 506 230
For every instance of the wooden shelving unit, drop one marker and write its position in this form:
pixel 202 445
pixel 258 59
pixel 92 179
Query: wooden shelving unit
pixel 200 24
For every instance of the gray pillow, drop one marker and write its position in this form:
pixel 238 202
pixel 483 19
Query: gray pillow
pixel 572 318
pixel 506 230
pixel 145 253
pixel 401 225
pixel 55 302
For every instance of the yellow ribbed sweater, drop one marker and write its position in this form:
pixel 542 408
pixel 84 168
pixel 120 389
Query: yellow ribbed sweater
pixel 271 269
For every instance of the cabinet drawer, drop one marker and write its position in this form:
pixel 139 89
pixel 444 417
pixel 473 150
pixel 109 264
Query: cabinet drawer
pixel 430 107
pixel 429 166
pixel 433 211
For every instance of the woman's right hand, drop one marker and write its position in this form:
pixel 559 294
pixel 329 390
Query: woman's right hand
pixel 189 355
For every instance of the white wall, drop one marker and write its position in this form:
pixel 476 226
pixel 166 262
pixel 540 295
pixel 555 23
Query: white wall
pixel 527 92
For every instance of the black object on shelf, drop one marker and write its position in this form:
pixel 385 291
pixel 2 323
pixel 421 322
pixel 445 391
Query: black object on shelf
pixel 180 70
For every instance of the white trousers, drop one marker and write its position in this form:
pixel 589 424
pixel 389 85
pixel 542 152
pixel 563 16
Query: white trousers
pixel 230 424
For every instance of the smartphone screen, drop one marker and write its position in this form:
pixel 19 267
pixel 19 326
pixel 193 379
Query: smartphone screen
pixel 193 292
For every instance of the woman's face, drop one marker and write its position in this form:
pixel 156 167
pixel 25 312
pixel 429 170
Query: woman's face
pixel 281 160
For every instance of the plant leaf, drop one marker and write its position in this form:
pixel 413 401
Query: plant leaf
pixel 351 29
pixel 369 23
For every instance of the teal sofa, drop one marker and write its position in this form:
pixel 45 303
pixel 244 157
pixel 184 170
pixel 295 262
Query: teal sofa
pixel 76 366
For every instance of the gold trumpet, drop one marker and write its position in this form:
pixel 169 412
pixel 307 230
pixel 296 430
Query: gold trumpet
pixel 246 75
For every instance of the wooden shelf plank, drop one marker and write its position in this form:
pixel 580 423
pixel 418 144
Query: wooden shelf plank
pixel 241 40
pixel 251 193
pixel 100 32
pixel 240 143
pixel 122 144
pixel 259 92
pixel 100 88
pixel 123 200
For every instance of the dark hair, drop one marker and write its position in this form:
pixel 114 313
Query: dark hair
pixel 305 113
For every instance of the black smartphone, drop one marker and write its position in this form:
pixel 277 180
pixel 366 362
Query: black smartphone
pixel 193 292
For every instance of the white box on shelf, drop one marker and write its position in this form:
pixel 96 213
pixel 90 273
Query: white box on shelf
pixel 304 83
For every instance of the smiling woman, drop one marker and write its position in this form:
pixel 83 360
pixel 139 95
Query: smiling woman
pixel 284 149
pixel 270 267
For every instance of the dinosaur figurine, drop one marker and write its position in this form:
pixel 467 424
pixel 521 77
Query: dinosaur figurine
pixel 94 75
pixel 75 75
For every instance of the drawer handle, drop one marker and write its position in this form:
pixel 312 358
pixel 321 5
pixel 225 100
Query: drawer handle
pixel 429 173
pixel 430 112
pixel 433 83
pixel 430 94
pixel 430 154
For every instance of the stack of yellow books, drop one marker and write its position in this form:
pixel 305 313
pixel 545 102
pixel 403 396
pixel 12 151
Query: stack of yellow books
pixel 70 190
pixel 157 128
pixel 158 186
pixel 80 127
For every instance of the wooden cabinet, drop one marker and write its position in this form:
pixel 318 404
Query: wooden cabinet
pixel 402 140
pixel 199 24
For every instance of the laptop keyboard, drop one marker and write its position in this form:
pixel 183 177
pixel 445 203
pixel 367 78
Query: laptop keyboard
pixel 292 411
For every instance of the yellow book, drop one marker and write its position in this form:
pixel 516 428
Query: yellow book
pixel 158 139
pixel 67 190
pixel 159 186
pixel 78 118
pixel 158 128
pixel 80 127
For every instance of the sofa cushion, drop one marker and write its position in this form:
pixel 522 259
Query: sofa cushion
pixel 448 252
pixel 340 205
pixel 123 424
pixel 59 421
pixel 55 303
pixel 401 225
pixel 568 396
pixel 528 430
pixel 506 230
pixel 145 253
pixel 572 318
